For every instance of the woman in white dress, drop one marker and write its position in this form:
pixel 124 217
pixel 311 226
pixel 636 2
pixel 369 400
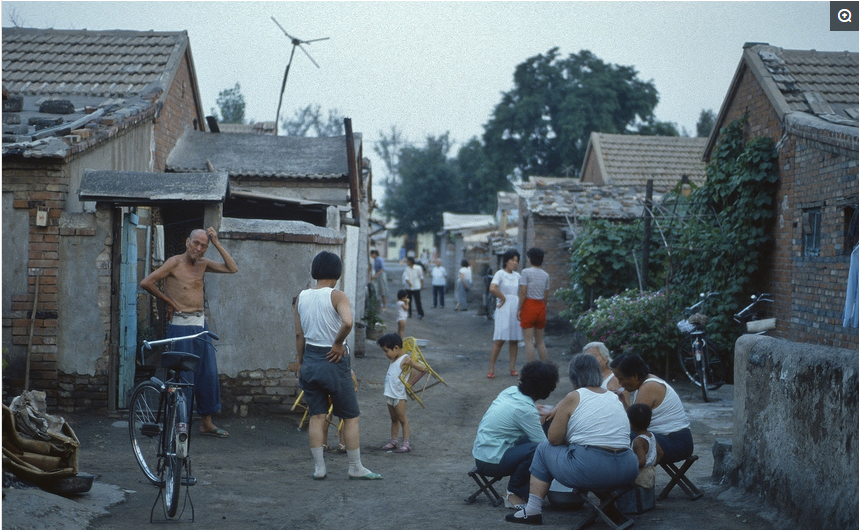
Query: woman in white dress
pixel 505 287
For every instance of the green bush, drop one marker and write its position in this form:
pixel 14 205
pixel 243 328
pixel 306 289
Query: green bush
pixel 633 321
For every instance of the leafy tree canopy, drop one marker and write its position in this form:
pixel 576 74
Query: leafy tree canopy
pixel 311 121
pixel 706 122
pixel 542 125
pixel 232 105
pixel 429 183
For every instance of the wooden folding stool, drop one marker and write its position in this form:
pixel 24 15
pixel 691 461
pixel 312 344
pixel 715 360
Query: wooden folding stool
pixel 304 418
pixel 484 485
pixel 410 380
pixel 679 478
pixel 606 509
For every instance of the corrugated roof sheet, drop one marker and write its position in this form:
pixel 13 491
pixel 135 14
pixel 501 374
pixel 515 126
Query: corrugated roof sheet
pixel 630 160
pixel 463 221
pixel 253 155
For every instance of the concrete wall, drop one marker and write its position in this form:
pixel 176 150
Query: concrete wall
pixel 795 428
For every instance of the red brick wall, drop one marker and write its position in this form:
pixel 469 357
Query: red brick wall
pixel 43 186
pixel 180 109
pixel 809 291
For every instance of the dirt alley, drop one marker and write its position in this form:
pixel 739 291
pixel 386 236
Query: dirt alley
pixel 259 477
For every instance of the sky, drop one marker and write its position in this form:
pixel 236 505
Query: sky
pixel 434 67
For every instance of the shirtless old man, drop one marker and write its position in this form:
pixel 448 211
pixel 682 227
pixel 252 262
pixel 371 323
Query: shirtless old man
pixel 183 295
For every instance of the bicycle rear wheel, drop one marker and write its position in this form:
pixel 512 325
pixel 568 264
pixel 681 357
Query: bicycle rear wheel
pixel 173 464
pixel 686 356
pixel 717 368
pixel 144 428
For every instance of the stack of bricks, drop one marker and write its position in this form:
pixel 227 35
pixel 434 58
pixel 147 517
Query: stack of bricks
pixel 259 392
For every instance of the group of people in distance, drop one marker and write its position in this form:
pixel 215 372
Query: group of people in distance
pixel 610 431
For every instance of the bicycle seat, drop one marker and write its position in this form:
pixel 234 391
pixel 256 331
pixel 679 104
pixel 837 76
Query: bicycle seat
pixel 179 360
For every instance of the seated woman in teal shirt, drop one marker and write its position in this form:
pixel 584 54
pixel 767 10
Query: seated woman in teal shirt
pixel 512 428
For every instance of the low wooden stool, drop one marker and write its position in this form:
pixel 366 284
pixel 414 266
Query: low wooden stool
pixel 484 484
pixel 606 509
pixel 679 478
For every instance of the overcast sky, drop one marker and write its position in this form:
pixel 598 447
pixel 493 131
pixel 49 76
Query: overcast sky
pixel 432 67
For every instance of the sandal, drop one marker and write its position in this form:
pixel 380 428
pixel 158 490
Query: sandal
pixel 491 375
pixel 389 446
pixel 514 373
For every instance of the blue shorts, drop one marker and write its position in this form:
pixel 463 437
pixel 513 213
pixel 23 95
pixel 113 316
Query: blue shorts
pixel 583 467
pixel 323 381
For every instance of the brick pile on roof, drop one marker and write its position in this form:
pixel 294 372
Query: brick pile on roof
pixel 112 79
pixel 573 199
pixel 631 160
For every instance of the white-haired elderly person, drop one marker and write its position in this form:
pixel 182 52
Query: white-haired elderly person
pixel 588 442
pixel 601 353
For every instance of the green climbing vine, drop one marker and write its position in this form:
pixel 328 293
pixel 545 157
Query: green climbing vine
pixel 719 246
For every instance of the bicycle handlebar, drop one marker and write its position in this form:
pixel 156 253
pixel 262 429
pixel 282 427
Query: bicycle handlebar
pixel 148 344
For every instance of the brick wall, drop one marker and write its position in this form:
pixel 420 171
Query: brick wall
pixel 809 291
pixel 180 109
pixel 41 187
pixel 259 392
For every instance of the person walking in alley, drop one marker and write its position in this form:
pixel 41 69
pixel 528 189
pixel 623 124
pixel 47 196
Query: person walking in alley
pixel 414 276
pixel 183 295
pixel 380 277
pixel 533 293
pixel 439 284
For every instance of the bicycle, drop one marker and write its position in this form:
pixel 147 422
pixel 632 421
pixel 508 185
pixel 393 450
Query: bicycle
pixel 751 317
pixel 159 425
pixel 700 359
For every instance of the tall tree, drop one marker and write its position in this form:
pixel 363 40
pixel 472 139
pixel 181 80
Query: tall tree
pixel 232 105
pixel 388 148
pixel 706 122
pixel 480 185
pixel 310 121
pixel 542 125
pixel 429 184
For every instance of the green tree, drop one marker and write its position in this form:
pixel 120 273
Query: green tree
pixel 480 185
pixel 429 184
pixel 543 124
pixel 232 105
pixel 311 121
pixel 706 122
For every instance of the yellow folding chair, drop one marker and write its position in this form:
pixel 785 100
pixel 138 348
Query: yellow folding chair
pixel 410 380
pixel 304 418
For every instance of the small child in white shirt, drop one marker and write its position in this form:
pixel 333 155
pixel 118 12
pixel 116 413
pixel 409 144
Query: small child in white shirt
pixel 402 311
pixel 395 391
pixel 644 445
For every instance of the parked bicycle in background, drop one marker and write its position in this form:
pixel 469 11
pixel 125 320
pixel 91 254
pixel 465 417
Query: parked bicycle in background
pixel 159 425
pixel 701 360
pixel 753 317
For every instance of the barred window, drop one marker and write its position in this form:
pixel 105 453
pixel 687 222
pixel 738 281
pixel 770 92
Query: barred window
pixel 811 232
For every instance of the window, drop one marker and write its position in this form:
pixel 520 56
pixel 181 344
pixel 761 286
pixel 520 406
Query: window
pixel 851 228
pixel 811 232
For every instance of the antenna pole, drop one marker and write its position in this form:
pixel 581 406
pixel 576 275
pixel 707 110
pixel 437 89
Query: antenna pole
pixel 282 89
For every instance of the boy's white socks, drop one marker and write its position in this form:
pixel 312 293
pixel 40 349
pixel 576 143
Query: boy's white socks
pixel 319 471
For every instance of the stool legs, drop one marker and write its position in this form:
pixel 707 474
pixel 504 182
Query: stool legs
pixel 484 484
pixel 606 509
pixel 679 478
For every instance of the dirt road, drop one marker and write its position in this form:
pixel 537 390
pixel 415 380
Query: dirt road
pixel 259 478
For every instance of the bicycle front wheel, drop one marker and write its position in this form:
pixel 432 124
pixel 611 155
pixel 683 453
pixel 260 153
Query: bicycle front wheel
pixel 144 428
pixel 686 356
pixel 173 464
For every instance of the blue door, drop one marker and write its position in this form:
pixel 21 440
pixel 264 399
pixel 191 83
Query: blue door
pixel 127 308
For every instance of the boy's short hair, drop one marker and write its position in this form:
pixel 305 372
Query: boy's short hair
pixel 374 251
pixel 535 256
pixel 326 266
pixel 639 416
pixel 389 341
pixel 402 293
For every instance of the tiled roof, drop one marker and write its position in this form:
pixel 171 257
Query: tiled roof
pixel 113 80
pixel 461 221
pixel 630 160
pixel 49 62
pixel 260 127
pixel 575 199
pixel 255 155
pixel 825 84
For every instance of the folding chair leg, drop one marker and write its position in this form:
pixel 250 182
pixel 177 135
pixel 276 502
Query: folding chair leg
pixel 484 486
pixel 606 509
pixel 679 478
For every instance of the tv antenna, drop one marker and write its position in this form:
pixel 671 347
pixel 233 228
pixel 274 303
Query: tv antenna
pixel 296 43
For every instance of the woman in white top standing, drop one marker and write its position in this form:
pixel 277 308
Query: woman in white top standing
pixel 323 320
pixel 669 422
pixel 505 287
